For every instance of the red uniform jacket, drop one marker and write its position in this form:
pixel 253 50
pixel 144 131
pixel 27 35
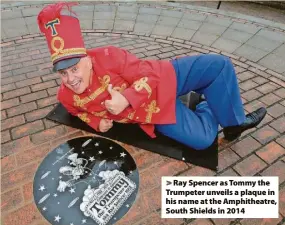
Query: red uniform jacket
pixel 148 85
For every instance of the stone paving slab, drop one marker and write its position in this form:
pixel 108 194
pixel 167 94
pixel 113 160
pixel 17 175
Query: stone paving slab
pixel 250 52
pixel 249 28
pixel 11 14
pixel 272 35
pixel 264 44
pixel 15 27
pixel 236 35
pixel 189 24
pixel 182 33
pixel 192 16
pixel 28 93
pixel 10 5
pixel 226 45
pixel 143 29
pixel 280 51
pixel 211 28
pixel 274 62
pixel 204 38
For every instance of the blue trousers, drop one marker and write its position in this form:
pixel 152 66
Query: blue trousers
pixel 214 76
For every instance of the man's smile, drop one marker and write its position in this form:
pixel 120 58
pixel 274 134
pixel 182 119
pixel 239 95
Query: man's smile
pixel 75 84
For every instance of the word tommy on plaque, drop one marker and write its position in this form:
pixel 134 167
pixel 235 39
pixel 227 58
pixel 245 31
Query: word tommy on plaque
pixel 102 203
pixel 87 180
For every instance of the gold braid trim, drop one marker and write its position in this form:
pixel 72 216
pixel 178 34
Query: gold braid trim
pixel 80 102
pixel 129 117
pixel 125 120
pixel 104 84
pixel 120 89
pixel 100 114
pixel 83 117
pixel 142 84
pixel 151 108
pixel 67 52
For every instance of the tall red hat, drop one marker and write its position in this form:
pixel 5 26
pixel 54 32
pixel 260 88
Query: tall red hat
pixel 63 35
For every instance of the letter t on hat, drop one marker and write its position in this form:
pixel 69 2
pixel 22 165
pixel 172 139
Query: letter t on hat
pixel 63 35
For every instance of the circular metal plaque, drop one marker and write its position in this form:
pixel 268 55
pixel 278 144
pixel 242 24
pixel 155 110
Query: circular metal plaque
pixel 87 180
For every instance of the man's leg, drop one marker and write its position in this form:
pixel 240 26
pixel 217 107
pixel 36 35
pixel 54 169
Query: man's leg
pixel 197 129
pixel 214 76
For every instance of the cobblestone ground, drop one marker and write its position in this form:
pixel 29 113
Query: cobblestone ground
pixel 28 93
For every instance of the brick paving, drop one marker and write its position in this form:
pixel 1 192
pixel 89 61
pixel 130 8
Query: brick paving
pixel 28 93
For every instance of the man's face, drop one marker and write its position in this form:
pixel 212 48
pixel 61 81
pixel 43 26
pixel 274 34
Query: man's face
pixel 77 77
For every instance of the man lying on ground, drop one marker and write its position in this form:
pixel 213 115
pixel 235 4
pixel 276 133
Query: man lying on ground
pixel 108 84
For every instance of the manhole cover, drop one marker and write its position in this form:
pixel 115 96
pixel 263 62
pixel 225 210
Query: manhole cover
pixel 87 180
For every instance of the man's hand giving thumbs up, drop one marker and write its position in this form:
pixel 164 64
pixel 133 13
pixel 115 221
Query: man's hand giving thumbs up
pixel 117 103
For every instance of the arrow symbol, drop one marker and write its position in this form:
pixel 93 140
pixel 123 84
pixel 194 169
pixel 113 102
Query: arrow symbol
pixel 168 182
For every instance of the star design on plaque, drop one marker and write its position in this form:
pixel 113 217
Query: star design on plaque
pixel 75 177
pixel 57 218
pixel 42 188
pixel 72 190
pixel 91 159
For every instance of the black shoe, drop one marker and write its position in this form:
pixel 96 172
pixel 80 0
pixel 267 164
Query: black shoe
pixel 252 120
pixel 194 100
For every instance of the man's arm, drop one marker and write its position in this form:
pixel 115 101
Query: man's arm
pixel 139 73
pixel 92 120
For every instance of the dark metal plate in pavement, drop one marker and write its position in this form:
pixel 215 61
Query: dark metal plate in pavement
pixel 87 180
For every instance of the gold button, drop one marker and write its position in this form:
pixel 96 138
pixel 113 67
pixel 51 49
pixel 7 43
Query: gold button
pixel 137 118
